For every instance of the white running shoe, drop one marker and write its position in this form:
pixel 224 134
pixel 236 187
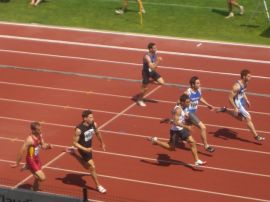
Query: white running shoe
pixel 119 11
pixel 70 150
pixel 242 10
pixel 141 103
pixel 231 14
pixel 143 11
pixel 101 189
pixel 200 163
pixel 153 140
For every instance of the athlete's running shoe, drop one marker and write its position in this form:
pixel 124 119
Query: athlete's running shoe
pixel 231 14
pixel 259 138
pixel 101 189
pixel 200 163
pixel 210 149
pixel 119 11
pixel 241 10
pixel 221 109
pixel 153 140
pixel 141 103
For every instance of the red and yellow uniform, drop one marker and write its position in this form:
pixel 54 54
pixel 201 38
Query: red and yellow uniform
pixel 32 156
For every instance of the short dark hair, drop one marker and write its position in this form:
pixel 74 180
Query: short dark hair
pixel 150 45
pixel 244 72
pixel 33 125
pixel 86 113
pixel 193 80
pixel 183 97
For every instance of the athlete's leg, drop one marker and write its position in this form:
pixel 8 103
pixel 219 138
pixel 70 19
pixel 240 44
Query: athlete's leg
pixel 195 121
pixel 125 5
pixel 140 6
pixel 165 145
pixel 193 147
pixel 39 177
pixel 92 170
pixel 160 81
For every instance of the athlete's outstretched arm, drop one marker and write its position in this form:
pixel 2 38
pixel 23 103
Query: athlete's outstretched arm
pixel 206 103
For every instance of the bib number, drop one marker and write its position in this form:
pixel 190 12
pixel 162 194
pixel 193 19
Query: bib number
pixel 88 135
pixel 193 105
pixel 36 152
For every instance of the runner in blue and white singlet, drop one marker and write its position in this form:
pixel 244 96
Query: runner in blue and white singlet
pixel 239 102
pixel 194 97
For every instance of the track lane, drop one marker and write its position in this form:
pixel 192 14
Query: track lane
pixel 137 41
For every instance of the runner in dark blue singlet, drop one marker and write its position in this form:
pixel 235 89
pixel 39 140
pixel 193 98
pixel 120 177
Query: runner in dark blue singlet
pixel 149 72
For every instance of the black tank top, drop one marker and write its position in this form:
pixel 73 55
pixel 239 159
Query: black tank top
pixel 86 135
pixel 145 63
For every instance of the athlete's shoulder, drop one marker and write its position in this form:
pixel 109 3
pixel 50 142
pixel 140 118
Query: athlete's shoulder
pixel 188 91
pixel 237 85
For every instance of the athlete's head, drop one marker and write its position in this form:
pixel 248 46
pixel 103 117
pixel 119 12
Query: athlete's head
pixel 195 82
pixel 35 128
pixel 87 116
pixel 184 100
pixel 152 47
pixel 245 75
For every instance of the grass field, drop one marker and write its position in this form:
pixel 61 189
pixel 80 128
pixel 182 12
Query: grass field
pixel 202 19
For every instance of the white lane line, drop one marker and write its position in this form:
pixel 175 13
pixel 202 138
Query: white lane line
pixel 157 184
pixel 158 160
pixel 165 185
pixel 90 92
pixel 41 40
pixel 115 113
pixel 107 32
pixel 128 64
pixel 146 136
pixel 68 126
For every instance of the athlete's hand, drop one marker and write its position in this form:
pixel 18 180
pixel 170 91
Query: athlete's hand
pixel 210 107
pixel 89 150
pixel 159 59
pixel 235 112
pixel 49 146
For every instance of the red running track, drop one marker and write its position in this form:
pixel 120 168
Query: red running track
pixel 131 168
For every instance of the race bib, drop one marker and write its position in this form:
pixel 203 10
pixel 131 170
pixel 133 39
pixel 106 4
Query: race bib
pixel 88 135
pixel 193 105
pixel 37 150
